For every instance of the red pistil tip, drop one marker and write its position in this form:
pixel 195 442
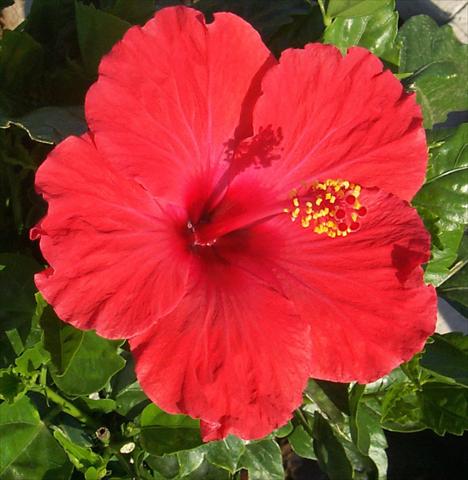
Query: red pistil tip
pixel 330 207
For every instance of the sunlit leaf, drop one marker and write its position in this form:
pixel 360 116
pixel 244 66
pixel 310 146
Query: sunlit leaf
pixel 162 433
pixel 456 287
pixel 190 460
pixel 28 450
pixel 376 32
pixel 301 443
pixel 82 362
pixel 447 355
pixel 401 409
pixel 263 460
pixel 330 452
pixel 443 200
pixel 226 453
pixel 49 124
pixel 439 65
pixel 445 408
pixel 81 457
pixel 355 8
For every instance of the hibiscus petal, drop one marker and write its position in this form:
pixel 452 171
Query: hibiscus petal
pixel 342 117
pixel 117 259
pixel 233 353
pixel 172 93
pixel 364 294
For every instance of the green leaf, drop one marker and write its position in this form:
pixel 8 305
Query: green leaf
pixel 129 397
pixel 104 405
pixel 28 449
pixel 428 400
pixel 439 64
pixel 284 431
pixel 355 8
pixel 21 64
pixel 31 359
pixel 226 453
pixel 96 360
pixel 366 432
pixel 130 400
pixel 81 457
pixel 11 387
pixel 17 302
pixel 445 244
pixel 165 467
pixel 134 11
pixel 305 26
pixel 378 441
pixel 186 465
pixel 376 32
pixel 359 432
pixel 206 471
pixel 162 433
pixel 330 452
pixel 263 460
pixel 445 408
pixel 401 409
pixel 64 81
pixel 448 152
pixel 335 392
pixel 456 287
pixel 444 192
pixel 190 460
pixel 82 362
pixel 327 398
pixel 301 443
pixel 447 355
pixel 49 125
pixel 60 339
pixel 97 32
pixel 51 23
pixel 443 200
pixel 266 16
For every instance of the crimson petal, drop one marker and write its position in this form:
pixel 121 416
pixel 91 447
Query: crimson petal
pixel 233 353
pixel 117 261
pixel 342 117
pixel 172 93
pixel 363 295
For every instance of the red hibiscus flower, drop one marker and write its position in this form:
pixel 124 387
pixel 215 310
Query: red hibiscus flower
pixel 243 221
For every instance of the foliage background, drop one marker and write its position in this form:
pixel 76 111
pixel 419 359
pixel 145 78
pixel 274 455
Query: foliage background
pixel 70 406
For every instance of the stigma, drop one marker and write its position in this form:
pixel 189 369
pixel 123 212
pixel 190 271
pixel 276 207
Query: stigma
pixel 331 207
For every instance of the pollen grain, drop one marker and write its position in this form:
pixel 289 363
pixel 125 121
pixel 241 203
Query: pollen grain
pixel 331 207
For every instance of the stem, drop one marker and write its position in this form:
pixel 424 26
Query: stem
pixel 303 421
pixel 66 406
pixel 455 269
pixel 326 18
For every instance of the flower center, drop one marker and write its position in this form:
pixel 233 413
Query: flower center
pixel 197 240
pixel 330 207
